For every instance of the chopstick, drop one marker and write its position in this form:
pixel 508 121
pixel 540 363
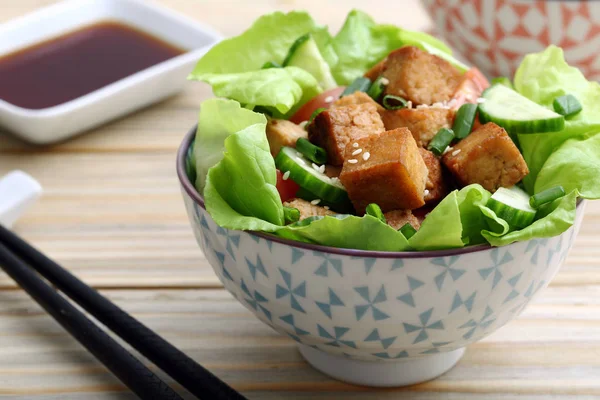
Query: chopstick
pixel 192 376
pixel 119 361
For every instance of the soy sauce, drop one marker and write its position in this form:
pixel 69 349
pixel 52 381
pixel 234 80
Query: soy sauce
pixel 69 66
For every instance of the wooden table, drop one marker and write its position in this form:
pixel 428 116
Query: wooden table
pixel 112 213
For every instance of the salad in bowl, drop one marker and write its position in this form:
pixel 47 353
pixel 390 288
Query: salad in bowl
pixel 377 138
pixel 376 200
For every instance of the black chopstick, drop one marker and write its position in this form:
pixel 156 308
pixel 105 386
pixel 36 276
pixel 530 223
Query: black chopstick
pixel 119 361
pixel 192 376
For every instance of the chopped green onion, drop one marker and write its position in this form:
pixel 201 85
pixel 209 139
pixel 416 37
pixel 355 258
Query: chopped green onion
pixel 271 64
pixel 408 230
pixel 314 153
pixel 503 80
pixel 463 123
pixel 375 211
pixel 360 84
pixel 291 215
pixel 567 105
pixel 391 102
pixel 441 141
pixel 377 88
pixel 546 196
pixel 315 113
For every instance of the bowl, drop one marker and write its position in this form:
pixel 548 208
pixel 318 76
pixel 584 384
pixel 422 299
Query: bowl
pixel 53 124
pixel 375 318
pixel 496 35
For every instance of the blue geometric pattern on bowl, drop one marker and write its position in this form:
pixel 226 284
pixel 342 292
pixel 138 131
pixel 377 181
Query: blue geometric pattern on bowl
pixel 379 308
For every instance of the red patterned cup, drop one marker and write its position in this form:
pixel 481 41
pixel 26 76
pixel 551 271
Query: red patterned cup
pixel 496 34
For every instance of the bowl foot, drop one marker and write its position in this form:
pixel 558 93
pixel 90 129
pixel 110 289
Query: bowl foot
pixel 404 372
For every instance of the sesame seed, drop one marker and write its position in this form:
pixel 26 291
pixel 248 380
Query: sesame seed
pixel 409 105
pixel 480 100
pixel 385 81
pixel 366 156
pixel 329 99
pixel 355 145
pixel 357 151
pixel 326 207
pixel 316 167
pixel 426 192
pixel 335 180
pixel 286 175
pixel 422 106
pixel 455 152
pixel 352 161
pixel 303 124
pixel 468 96
pixel 322 169
pixel 448 149
pixel 315 202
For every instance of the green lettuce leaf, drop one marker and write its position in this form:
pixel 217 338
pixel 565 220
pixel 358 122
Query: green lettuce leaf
pixel 470 199
pixel 361 43
pixel 218 119
pixel 278 88
pixel 555 219
pixel 542 77
pixel 346 231
pixel 245 180
pixel 442 228
pixel 268 39
pixel 575 166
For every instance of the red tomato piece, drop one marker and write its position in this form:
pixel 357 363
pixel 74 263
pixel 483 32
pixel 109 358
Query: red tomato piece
pixel 471 87
pixel 304 113
pixel 287 188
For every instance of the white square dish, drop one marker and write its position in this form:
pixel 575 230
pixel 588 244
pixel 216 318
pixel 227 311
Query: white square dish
pixel 119 98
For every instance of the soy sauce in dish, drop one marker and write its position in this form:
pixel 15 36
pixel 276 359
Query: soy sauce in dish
pixel 77 63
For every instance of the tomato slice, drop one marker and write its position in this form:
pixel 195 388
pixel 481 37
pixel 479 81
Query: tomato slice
pixel 304 113
pixel 471 87
pixel 287 188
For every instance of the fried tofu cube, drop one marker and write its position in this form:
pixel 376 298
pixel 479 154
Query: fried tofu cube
pixel 283 133
pixel 488 157
pixel 356 98
pixel 333 129
pixel 307 209
pixel 398 218
pixel 333 171
pixel 376 70
pixel 435 187
pixel 389 172
pixel 423 123
pixel 420 77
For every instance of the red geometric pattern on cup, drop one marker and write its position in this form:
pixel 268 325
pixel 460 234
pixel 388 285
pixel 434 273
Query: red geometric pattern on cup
pixel 496 34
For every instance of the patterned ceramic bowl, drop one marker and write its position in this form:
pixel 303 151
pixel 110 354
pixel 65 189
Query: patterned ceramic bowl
pixel 496 34
pixel 375 318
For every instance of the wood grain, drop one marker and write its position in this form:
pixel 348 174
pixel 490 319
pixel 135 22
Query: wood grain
pixel 112 213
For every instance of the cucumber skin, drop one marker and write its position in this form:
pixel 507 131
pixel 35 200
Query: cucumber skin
pixel 518 219
pixel 324 191
pixel 537 126
pixel 342 208
pixel 514 127
pixel 299 42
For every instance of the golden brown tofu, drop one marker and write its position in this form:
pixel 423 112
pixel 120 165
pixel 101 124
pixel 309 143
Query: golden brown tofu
pixel 356 98
pixel 487 156
pixel 333 129
pixel 435 187
pixel 398 218
pixel 423 123
pixel 283 133
pixel 375 70
pixel 333 171
pixel 420 77
pixel 389 172
pixel 307 209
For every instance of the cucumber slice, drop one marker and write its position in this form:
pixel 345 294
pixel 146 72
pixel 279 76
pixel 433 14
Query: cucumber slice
pixel 516 113
pixel 512 205
pixel 304 174
pixel 305 54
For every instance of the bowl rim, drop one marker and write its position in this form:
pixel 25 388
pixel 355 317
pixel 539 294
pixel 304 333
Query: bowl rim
pixel 190 189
